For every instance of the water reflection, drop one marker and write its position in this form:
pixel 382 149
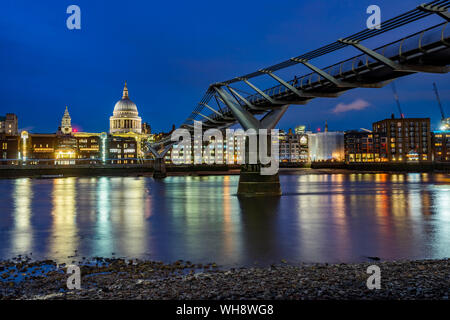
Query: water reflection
pixel 128 212
pixel 442 231
pixel 22 233
pixel 200 221
pixel 64 237
pixel 104 228
pixel 261 230
pixel 230 243
pixel 320 217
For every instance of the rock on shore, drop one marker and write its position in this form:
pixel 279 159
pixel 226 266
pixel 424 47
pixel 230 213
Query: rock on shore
pixel 137 279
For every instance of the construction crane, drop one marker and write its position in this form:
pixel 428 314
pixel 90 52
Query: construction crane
pixel 394 89
pixel 445 122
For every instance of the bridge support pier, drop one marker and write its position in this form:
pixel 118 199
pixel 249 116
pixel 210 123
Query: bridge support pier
pixel 251 182
pixel 159 169
pixel 159 165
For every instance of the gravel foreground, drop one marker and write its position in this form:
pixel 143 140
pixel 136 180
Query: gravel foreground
pixel 22 278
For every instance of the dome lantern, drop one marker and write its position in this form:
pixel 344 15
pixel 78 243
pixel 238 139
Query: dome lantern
pixel 125 91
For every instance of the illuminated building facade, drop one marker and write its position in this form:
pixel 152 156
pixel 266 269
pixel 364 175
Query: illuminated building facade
pixel 39 148
pixel 407 139
pixel 122 150
pixel 362 146
pixel 234 147
pixel 294 146
pixel 123 145
pixel 66 150
pixel 88 148
pixel 48 148
pixel 84 148
pixel 441 146
pixel 9 124
pixel 326 146
pixel 300 129
pixel 9 149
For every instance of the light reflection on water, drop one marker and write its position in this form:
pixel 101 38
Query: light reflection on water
pixel 320 217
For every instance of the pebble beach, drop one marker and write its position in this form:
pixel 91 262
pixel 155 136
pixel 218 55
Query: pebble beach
pixel 21 278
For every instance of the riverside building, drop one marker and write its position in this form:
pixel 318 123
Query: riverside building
pixel 407 139
pixel 402 140
pixel 441 146
pixel 363 146
pixel 9 149
pixel 222 151
pixel 124 144
pixel 9 124
pixel 294 146
pixel 326 146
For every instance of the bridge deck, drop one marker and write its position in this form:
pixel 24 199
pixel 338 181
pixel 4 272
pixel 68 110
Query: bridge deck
pixel 430 47
pixel 424 51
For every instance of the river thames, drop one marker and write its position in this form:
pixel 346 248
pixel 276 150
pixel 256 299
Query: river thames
pixel 342 217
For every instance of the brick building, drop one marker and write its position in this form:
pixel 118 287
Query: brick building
pixel 407 139
pixel 363 146
pixel 9 149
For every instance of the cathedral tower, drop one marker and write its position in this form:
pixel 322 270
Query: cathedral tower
pixel 66 123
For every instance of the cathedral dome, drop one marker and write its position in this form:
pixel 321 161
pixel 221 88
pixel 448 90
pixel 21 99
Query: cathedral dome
pixel 125 106
pixel 125 116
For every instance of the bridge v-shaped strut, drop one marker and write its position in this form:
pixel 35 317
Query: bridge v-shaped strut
pixel 245 118
pixel 160 154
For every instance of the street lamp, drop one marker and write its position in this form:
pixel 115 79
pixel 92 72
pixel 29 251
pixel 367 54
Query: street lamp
pixel 103 136
pixel 24 136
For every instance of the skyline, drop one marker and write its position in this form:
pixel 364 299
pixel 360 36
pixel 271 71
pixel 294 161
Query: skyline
pixel 225 157
pixel 49 66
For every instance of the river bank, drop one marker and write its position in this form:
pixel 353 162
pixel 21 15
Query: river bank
pixel 385 166
pixel 22 278
pixel 47 172
pixel 137 170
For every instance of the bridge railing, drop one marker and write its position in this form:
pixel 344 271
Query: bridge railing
pixel 360 64
pixel 341 70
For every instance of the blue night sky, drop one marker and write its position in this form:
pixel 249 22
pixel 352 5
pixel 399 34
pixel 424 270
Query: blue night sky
pixel 170 51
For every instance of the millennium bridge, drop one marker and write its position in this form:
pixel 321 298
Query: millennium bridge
pixel 224 105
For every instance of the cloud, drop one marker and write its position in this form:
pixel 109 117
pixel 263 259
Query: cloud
pixel 358 104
